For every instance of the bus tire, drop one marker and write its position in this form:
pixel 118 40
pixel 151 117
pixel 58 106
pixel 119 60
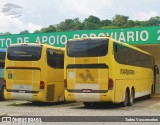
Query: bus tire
pixel 126 98
pixel 152 92
pixel 131 98
pixel 87 104
pixel 2 94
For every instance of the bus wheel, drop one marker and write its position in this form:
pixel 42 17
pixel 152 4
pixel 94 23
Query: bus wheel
pixel 126 98
pixel 88 104
pixel 152 92
pixel 131 98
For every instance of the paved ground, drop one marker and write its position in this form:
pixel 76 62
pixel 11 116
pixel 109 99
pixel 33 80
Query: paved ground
pixel 141 107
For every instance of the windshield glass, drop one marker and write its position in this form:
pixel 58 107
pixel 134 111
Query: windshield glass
pixel 24 53
pixel 87 48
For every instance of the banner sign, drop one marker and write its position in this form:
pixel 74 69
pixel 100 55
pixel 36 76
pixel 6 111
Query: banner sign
pixel 143 35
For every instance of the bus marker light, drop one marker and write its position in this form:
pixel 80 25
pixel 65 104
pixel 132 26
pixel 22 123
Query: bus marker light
pixel 42 85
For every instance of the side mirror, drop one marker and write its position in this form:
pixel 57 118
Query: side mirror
pixel 156 69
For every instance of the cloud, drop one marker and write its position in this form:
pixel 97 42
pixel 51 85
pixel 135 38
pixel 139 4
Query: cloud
pixel 79 8
pixel 40 13
pixel 14 25
pixel 144 15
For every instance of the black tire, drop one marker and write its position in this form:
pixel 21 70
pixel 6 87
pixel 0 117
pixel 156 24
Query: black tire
pixel 2 94
pixel 131 98
pixel 88 104
pixel 150 95
pixel 125 102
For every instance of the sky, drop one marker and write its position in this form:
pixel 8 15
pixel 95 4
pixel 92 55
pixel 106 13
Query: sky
pixel 42 13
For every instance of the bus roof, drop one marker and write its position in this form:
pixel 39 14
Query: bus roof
pixel 37 44
pixel 108 37
pixel 131 46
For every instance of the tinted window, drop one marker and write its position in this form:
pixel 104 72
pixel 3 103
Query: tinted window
pixel 87 48
pixel 55 58
pixel 128 56
pixel 24 53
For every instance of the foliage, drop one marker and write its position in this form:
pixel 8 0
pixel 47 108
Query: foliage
pixel 51 28
pixel 24 32
pixel 120 21
pixel 93 22
pixel 6 33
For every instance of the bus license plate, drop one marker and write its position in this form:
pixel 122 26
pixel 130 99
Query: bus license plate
pixel 22 91
pixel 86 90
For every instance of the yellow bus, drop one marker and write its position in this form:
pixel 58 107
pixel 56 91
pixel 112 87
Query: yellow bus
pixel 34 72
pixel 101 69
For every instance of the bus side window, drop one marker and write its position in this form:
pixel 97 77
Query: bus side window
pixel 115 47
pixel 55 60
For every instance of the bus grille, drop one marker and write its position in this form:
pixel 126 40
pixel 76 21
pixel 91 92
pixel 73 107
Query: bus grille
pixel 50 93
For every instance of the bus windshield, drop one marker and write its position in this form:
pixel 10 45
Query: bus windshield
pixel 24 53
pixel 87 48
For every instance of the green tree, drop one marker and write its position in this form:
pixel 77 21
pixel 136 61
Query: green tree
pixel 120 21
pixel 6 33
pixel 92 19
pixel 66 25
pixel 36 31
pixel 92 22
pixel 144 23
pixel 90 26
pixel 138 23
pixel 77 24
pixel 62 26
pixel 130 23
pixel 24 32
pixel 105 22
pixel 50 28
pixel 154 21
pixel 70 25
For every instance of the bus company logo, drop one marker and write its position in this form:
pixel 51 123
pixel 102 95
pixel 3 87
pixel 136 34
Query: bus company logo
pixel 86 76
pixel 127 72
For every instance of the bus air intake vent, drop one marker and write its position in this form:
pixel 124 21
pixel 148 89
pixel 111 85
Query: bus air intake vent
pixel 50 93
